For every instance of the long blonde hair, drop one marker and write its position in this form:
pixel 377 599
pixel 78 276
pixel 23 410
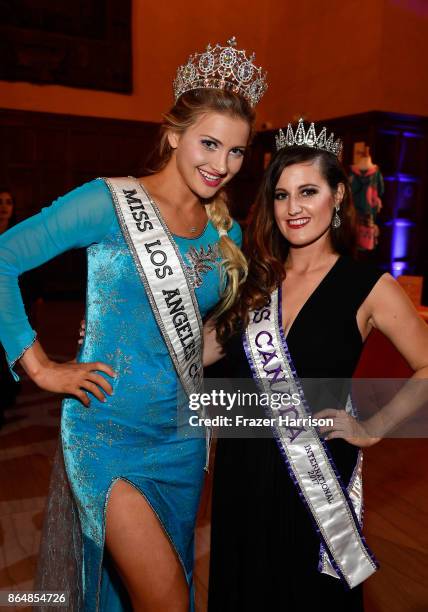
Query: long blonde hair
pixel 188 108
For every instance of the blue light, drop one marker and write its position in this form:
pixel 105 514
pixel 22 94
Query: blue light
pixel 398 267
pixel 399 245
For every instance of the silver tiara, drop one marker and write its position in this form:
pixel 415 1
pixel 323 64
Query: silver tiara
pixel 308 139
pixel 222 68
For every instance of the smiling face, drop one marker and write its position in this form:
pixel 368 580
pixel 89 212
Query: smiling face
pixel 6 206
pixel 210 152
pixel 304 204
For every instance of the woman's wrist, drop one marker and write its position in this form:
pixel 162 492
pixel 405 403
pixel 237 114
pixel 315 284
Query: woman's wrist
pixel 375 426
pixel 35 361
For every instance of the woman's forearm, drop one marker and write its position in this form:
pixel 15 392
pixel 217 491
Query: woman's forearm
pixel 80 218
pixel 34 360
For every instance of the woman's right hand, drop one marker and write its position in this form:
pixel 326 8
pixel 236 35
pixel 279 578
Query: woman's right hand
pixel 76 379
pixel 69 378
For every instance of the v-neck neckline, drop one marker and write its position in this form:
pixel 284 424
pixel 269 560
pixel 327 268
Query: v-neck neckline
pixel 311 296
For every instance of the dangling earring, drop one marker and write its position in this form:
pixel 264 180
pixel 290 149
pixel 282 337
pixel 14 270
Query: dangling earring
pixel 336 222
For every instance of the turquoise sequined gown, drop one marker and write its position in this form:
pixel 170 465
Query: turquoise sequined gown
pixel 133 435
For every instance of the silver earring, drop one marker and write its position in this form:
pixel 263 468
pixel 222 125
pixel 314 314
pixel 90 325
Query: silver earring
pixel 336 222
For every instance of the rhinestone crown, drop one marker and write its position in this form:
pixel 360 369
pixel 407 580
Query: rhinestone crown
pixel 308 139
pixel 222 68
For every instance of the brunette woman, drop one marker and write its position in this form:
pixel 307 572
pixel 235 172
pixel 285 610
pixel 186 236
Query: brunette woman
pixel 287 510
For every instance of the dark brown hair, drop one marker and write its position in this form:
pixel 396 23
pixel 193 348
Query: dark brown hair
pixel 266 248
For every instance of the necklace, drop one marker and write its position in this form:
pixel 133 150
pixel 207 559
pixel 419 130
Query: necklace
pixel 192 229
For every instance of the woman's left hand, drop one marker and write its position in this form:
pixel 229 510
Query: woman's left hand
pixel 347 427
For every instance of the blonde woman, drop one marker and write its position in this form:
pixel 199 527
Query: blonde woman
pixel 155 247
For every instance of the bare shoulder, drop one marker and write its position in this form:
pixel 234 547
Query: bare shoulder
pixel 388 298
pixel 391 311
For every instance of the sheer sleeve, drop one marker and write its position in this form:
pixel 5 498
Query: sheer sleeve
pixel 78 219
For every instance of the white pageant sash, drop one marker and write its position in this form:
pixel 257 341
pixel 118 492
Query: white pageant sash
pixel 355 492
pixel 307 457
pixel 164 276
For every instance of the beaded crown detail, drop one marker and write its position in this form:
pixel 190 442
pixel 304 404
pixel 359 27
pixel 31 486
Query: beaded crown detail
pixel 308 139
pixel 222 68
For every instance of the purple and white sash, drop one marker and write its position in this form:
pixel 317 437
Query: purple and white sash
pixel 164 275
pixel 335 510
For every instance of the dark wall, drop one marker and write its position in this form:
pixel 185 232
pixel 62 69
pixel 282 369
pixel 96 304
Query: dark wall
pixel 399 145
pixel 45 155
pixel 78 43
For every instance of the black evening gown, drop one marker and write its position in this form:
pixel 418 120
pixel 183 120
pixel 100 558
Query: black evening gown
pixel 264 550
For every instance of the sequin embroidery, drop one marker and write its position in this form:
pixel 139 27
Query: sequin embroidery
pixel 201 261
